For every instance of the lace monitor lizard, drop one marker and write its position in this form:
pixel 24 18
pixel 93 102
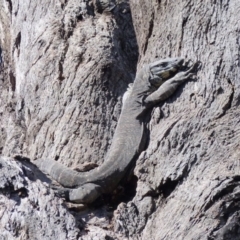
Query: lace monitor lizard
pixel 153 83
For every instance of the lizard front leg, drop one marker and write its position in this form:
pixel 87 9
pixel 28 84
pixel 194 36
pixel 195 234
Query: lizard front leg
pixel 169 87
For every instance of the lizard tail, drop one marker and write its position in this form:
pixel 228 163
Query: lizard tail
pixel 63 175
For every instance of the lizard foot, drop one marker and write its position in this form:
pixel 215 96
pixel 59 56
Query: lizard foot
pixel 61 191
pixel 86 193
pixel 182 76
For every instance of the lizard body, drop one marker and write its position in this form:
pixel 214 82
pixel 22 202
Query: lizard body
pixel 152 85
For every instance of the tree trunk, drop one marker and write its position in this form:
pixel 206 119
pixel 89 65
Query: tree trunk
pixel 64 68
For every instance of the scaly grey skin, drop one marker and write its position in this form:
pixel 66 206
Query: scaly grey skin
pixel 153 84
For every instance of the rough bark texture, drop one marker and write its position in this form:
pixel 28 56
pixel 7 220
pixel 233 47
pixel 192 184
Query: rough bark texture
pixel 29 208
pixel 68 66
pixel 64 68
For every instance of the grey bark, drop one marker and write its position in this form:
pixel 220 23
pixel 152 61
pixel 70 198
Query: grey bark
pixel 64 68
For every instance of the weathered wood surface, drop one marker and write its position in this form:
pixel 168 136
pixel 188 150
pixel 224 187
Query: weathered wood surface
pixel 64 68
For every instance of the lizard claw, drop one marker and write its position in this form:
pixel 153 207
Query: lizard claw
pixel 61 191
pixel 187 63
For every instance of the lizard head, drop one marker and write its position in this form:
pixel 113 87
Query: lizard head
pixel 161 70
pixel 152 76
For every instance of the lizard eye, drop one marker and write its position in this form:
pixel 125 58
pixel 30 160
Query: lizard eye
pixel 164 64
